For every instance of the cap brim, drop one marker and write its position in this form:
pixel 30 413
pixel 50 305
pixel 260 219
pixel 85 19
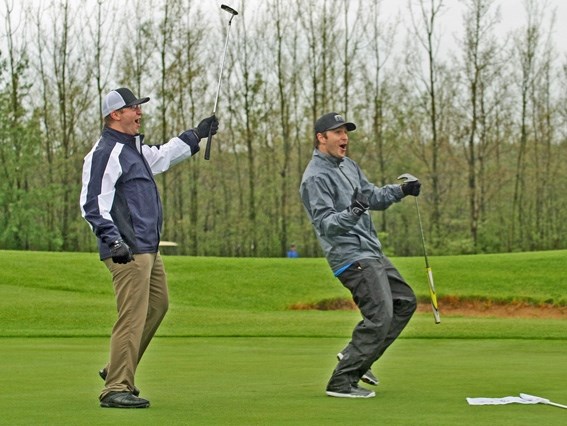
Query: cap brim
pixel 350 126
pixel 138 102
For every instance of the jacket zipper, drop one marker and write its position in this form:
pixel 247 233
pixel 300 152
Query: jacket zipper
pixel 346 177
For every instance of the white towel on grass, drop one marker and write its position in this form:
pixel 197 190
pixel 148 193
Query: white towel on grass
pixel 524 398
pixel 500 401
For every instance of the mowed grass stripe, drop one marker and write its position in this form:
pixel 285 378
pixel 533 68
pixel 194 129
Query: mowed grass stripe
pixel 281 381
pixel 70 295
pixel 231 352
pixel 267 284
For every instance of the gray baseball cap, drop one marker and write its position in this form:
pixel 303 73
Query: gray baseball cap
pixel 331 121
pixel 120 98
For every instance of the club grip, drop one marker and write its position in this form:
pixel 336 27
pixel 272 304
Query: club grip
pixel 433 294
pixel 208 146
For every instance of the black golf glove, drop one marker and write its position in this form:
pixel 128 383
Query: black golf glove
pixel 359 203
pixel 209 124
pixel 121 252
pixel 202 131
pixel 411 188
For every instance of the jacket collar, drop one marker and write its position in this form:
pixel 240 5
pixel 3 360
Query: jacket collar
pixel 327 158
pixel 122 137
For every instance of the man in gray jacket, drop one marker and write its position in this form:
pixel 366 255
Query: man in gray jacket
pixel 337 196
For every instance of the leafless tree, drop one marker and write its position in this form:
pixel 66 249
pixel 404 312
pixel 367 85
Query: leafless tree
pixel 425 29
pixel 481 64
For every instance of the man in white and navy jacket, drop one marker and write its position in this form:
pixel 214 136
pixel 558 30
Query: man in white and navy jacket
pixel 120 201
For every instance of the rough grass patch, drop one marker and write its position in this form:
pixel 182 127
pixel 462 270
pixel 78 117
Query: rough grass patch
pixel 455 305
pixel 333 304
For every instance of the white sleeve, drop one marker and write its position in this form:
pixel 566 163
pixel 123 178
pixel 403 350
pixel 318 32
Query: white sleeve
pixel 161 157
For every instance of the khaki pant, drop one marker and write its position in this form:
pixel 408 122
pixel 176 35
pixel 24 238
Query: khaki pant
pixel 142 301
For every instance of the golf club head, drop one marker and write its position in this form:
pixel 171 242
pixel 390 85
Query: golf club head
pixel 229 9
pixel 406 177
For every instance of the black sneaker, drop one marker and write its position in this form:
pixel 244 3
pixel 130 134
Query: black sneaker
pixel 355 391
pixel 367 377
pixel 123 400
pixel 370 378
pixel 103 373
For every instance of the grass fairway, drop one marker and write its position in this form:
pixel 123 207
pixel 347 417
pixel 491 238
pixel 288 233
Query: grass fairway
pixel 230 352
pixel 280 381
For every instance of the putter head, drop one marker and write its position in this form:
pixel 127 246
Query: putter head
pixel 229 9
pixel 406 177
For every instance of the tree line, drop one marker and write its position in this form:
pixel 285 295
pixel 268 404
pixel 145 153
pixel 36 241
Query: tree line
pixel 482 126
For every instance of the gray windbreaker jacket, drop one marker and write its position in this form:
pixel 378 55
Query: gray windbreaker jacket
pixel 326 189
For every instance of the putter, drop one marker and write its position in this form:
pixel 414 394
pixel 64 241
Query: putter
pixel 406 177
pixel 233 13
pixel 540 400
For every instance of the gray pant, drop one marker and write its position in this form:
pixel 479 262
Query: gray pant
pixel 386 303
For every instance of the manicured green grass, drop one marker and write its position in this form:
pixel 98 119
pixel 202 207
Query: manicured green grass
pixel 280 381
pixel 231 352
pixel 70 294
pixel 537 277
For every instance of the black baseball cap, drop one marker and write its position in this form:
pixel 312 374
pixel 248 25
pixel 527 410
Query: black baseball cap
pixel 120 98
pixel 331 121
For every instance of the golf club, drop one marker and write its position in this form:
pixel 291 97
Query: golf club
pixel 406 177
pixel 540 400
pixel 233 13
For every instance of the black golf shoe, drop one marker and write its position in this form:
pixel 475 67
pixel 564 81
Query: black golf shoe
pixel 123 400
pixel 355 391
pixel 102 373
pixel 367 377
pixel 370 378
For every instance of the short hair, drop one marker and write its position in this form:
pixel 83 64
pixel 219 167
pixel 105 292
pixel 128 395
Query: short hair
pixel 316 142
pixel 108 119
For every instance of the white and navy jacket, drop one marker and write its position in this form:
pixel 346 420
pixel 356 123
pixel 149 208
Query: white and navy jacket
pixel 119 196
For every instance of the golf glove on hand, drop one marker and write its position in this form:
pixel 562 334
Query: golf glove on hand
pixel 411 188
pixel 359 203
pixel 209 124
pixel 121 252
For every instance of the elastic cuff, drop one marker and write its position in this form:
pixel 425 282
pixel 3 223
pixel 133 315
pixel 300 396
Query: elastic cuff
pixel 191 138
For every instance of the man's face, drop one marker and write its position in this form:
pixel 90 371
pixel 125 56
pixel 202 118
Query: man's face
pixel 128 120
pixel 334 142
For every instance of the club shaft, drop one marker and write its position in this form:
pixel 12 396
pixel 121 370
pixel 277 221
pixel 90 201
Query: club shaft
pixel 541 400
pixel 555 404
pixel 210 136
pixel 422 234
pixel 432 292
pixel 222 66
pixel 433 296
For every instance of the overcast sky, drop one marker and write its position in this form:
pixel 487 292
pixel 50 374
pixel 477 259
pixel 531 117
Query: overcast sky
pixel 513 15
